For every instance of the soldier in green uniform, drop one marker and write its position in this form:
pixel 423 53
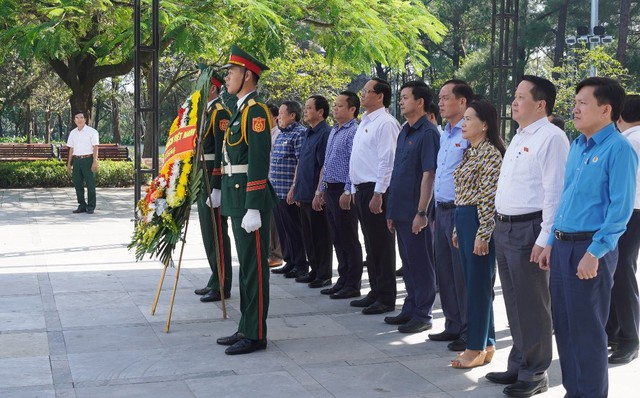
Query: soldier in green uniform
pixel 248 197
pixel 216 125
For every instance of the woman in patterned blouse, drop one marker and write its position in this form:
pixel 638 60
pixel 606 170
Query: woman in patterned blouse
pixel 475 184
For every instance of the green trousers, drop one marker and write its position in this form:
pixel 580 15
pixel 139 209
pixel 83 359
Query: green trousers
pixel 206 228
pixel 253 253
pixel 81 174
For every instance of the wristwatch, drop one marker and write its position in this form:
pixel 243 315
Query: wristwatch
pixel 421 213
pixel 346 192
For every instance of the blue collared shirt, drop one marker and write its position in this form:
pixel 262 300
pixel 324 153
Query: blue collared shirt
pixel 336 162
pixel 416 153
pixel 452 146
pixel 311 160
pixel 284 158
pixel 599 188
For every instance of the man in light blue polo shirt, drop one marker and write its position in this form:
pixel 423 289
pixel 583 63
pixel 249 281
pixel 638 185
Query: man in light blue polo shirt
pixel 582 251
pixel 454 97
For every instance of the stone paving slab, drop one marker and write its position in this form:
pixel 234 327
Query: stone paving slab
pixel 75 321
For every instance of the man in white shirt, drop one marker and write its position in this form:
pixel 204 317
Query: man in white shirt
pixel 370 167
pixel 82 162
pixel 622 327
pixel 529 189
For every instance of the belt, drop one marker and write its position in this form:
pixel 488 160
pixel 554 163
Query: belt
pixel 446 205
pixel 209 156
pixel 636 210
pixel 230 169
pixel 365 185
pixel 521 217
pixel 334 186
pixel 573 236
pixel 83 156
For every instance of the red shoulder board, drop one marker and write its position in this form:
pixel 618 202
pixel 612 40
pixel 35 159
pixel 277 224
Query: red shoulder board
pixel 258 124
pixel 223 124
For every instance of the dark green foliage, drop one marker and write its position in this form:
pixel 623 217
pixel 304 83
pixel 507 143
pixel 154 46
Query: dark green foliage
pixel 53 173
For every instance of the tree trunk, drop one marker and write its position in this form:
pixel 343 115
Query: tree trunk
pixel 81 100
pixel 115 111
pixel 60 137
pixel 623 31
pixel 27 123
pixel 381 71
pixel 96 118
pixel 560 36
pixel 146 120
pixel 47 126
pixel 35 124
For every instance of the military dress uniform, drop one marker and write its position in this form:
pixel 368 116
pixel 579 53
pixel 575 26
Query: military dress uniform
pixel 217 122
pixel 245 186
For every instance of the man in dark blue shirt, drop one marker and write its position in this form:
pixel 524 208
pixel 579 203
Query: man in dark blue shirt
pixel 582 251
pixel 410 191
pixel 315 226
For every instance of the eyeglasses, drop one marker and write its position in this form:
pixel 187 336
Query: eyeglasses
pixel 366 91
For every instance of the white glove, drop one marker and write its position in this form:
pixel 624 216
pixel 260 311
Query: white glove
pixel 251 220
pixel 215 198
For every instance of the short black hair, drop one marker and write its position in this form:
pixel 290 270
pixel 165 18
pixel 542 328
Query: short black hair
pixel 631 109
pixel 607 92
pixel 352 100
pixel 461 89
pixel 382 86
pixel 420 89
pixel 273 109
pixel 293 107
pixel 557 120
pixel 321 102
pixel 542 90
pixel 77 112
pixel 435 109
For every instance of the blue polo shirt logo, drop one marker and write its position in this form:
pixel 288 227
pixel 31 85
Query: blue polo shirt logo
pixel 595 159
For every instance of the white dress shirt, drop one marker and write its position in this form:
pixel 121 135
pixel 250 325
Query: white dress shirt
pixel 374 147
pixel 633 135
pixel 532 174
pixel 82 141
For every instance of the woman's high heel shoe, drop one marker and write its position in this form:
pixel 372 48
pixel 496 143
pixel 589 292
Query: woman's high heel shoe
pixel 490 350
pixel 462 363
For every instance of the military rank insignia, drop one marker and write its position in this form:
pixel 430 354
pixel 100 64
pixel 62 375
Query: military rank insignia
pixel 223 124
pixel 258 124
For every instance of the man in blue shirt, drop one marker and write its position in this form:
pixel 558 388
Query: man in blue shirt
pixel 454 97
pixel 582 252
pixel 315 226
pixel 284 161
pixel 410 192
pixel 335 193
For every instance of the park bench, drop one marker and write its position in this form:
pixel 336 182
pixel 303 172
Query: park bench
pixel 105 152
pixel 25 152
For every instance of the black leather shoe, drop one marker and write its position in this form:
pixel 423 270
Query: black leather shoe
pixel 444 336
pixel 346 292
pixel 282 270
pixel 414 326
pixel 306 278
pixel 363 302
pixel 203 291
pixel 502 377
pixel 213 296
pixel 230 340
pixel 90 211
pixel 316 283
pixel 460 344
pixel 333 289
pixel 245 346
pixel 294 273
pixel 378 308
pixel 623 356
pixel 397 320
pixel 79 210
pixel 527 388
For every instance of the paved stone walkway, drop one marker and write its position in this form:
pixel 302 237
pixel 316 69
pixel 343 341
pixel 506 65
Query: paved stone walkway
pixel 75 322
